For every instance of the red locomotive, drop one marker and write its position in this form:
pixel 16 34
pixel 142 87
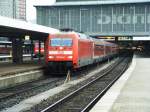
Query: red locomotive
pixel 72 50
pixel 36 49
pixel 6 48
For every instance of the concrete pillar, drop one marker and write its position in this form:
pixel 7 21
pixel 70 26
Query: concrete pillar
pixel 39 50
pixel 17 50
pixel 32 49
pixel 116 39
pixel 45 42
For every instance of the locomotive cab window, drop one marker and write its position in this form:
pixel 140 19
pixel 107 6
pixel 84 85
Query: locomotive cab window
pixel 61 42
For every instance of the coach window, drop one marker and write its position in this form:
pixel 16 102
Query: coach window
pixel 61 42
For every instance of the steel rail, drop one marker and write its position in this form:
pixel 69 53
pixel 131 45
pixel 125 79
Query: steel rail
pixel 99 96
pixel 25 90
pixel 64 99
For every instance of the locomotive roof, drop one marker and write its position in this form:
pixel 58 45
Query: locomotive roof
pixel 80 35
pixel 103 42
pixel 84 36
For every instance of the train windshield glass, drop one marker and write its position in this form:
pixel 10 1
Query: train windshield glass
pixel 61 42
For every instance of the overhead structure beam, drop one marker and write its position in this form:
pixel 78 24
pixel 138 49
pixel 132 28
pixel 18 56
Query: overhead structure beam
pixel 16 30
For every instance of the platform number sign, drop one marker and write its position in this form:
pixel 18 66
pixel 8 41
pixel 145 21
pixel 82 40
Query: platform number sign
pixel 125 38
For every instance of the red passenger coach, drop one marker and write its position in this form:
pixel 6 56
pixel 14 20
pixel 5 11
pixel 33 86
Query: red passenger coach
pixel 103 50
pixel 72 50
pixel 36 49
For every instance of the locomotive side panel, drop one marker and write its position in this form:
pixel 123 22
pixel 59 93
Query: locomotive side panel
pixel 85 51
pixel 75 51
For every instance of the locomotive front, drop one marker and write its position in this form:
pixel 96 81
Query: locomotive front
pixel 59 55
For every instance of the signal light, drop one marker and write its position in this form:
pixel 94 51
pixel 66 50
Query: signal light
pixel 50 57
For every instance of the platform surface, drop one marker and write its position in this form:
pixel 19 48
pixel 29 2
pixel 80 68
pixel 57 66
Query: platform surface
pixel 10 69
pixel 131 93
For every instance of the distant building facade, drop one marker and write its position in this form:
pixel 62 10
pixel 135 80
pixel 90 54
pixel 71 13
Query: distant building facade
pixel 7 8
pixel 13 9
pixel 21 9
pixel 98 17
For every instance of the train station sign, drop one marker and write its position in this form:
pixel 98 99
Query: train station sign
pixel 125 38
pixel 123 19
pixel 27 37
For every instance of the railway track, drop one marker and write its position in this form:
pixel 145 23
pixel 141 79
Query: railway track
pixel 13 95
pixel 10 92
pixel 83 99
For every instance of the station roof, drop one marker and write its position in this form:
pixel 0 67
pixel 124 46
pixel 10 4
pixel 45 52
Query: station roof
pixel 16 28
pixel 77 3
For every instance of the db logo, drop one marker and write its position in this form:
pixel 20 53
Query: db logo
pixel 60 57
pixel 60 52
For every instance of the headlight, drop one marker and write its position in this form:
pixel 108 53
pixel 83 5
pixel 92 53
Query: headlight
pixel 70 57
pixel 50 57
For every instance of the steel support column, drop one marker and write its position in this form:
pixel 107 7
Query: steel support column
pixel 17 50
pixel 39 50
pixel 32 49
pixel 116 39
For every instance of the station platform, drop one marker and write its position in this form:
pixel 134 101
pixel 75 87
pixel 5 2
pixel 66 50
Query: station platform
pixel 131 93
pixel 10 68
pixel 13 74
